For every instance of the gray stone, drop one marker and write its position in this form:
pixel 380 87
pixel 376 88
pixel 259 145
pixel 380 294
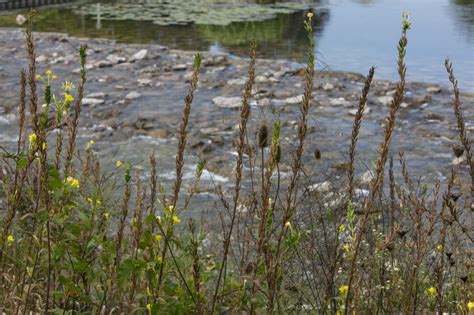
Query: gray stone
pixel 132 95
pixel 227 102
pixel 92 101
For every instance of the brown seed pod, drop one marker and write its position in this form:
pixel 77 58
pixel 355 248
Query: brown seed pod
pixel 262 139
pixel 458 150
pixel 278 155
pixel 317 154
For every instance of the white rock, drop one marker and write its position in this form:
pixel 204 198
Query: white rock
pixel 323 187
pixel 116 59
pixel 20 19
pixel 341 101
pixel 132 95
pixel 180 67
pixel 385 100
pixel 459 160
pixel 240 81
pixel 366 178
pixel 92 101
pixel 353 112
pixel 96 95
pixel 41 58
pixel 328 87
pixel 294 100
pixel 433 89
pixel 139 55
pixel 188 76
pixel 361 193
pixel 227 102
pixel 144 82
pixel 261 79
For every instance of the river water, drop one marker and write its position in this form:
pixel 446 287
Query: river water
pixel 351 35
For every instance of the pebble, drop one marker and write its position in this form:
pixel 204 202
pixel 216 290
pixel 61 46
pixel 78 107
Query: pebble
pixel 144 82
pixel 227 102
pixel 385 100
pixel 132 95
pixel 236 82
pixel 180 67
pixel 433 89
pixel 328 87
pixel 294 100
pixel 353 112
pixel 322 187
pixel 92 101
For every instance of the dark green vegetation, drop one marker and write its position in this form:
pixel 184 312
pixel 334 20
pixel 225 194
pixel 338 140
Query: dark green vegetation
pixel 77 240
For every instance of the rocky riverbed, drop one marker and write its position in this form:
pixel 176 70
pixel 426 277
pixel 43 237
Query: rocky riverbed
pixel 134 99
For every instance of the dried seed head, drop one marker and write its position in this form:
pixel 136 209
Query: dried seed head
pixel 317 154
pixel 263 136
pixel 458 150
pixel 278 155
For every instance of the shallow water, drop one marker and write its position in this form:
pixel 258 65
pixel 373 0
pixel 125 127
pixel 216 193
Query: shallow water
pixel 351 35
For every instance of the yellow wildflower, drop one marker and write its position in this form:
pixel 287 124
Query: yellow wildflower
pixel 89 200
pixel 68 97
pixel 49 72
pixel 309 15
pixel 171 208
pixel 118 163
pixel 106 215
pixel 347 247
pixel 67 86
pixel 342 228
pixel 10 239
pixel 288 225
pixel 470 305
pixel 440 247
pixel 32 138
pixel 73 182
pixel 158 237
pixel 38 77
pixel 176 219
pixel 44 146
pixel 344 289
pixel 148 307
pixel 431 290
pixel 98 202
pixel 54 77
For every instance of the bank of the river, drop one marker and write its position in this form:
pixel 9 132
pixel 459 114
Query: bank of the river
pixel 134 98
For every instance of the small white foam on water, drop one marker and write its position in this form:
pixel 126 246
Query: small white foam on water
pixel 207 176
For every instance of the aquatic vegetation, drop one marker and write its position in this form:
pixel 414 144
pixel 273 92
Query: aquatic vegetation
pixel 201 12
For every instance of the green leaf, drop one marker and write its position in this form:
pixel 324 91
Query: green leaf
pixel 22 163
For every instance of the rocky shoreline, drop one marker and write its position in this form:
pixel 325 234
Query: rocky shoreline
pixel 134 98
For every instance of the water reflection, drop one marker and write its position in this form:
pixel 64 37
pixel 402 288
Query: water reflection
pixel 463 16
